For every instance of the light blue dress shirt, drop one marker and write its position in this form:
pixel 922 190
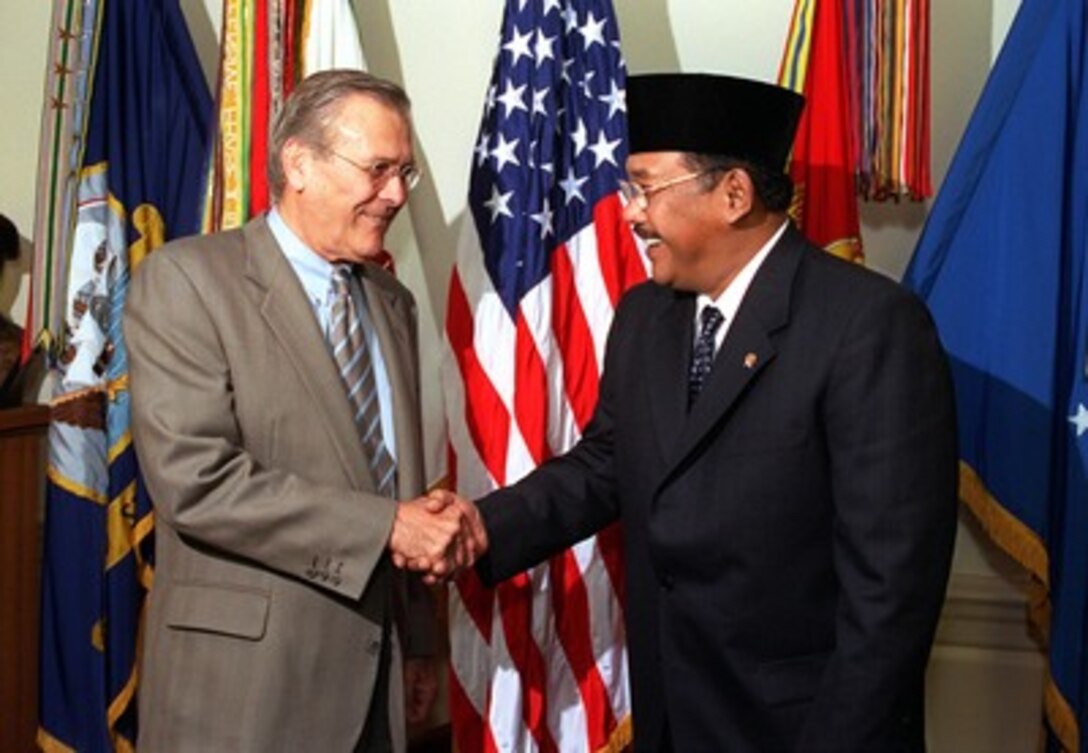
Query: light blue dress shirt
pixel 315 274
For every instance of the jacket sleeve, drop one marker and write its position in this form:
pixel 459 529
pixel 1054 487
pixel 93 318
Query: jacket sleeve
pixel 203 481
pixel 569 497
pixel 890 423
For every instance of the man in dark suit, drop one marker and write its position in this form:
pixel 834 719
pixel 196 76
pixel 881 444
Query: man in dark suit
pixel 784 467
pixel 276 414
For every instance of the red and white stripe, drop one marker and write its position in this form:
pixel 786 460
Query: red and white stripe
pixel 539 663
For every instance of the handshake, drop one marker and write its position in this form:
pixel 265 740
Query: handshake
pixel 437 535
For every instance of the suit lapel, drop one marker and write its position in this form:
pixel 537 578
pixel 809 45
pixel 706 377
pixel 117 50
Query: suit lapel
pixel 747 349
pixel 289 315
pixel 666 369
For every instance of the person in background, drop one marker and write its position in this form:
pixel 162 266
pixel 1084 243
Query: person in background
pixel 276 415
pixel 776 434
pixel 11 334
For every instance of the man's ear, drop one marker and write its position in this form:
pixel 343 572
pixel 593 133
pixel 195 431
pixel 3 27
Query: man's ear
pixel 737 193
pixel 297 162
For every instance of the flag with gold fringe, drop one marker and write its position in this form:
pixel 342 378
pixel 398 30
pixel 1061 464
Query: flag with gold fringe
pixel 140 155
pixel 1003 265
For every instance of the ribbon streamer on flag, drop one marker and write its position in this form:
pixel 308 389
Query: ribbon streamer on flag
pixel 823 165
pixel 266 46
pixel 863 66
pixel 1003 265
pixel 138 184
pixel 540 663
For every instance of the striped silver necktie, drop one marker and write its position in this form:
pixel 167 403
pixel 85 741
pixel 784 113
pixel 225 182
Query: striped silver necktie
pixel 349 350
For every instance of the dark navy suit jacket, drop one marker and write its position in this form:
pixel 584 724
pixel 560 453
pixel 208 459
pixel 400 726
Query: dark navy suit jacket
pixel 788 540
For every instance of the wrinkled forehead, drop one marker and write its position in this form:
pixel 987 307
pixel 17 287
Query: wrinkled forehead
pixel 366 120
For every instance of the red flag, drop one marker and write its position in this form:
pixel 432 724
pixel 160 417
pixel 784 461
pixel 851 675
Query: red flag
pixel 823 165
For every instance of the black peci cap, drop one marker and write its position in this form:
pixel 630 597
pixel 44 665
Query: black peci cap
pixel 710 114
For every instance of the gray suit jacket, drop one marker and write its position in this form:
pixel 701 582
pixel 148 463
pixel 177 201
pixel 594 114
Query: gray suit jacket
pixel 273 599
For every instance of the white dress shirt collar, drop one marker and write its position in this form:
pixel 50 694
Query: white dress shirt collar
pixel 728 302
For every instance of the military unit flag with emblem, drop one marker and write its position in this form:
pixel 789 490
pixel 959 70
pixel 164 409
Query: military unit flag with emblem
pixel 138 175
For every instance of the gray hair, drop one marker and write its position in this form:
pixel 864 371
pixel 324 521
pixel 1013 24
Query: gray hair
pixel 313 106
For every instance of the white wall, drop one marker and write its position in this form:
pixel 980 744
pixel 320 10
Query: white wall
pixel 24 42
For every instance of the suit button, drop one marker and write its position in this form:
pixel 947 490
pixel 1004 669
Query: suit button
pixel 374 647
pixel 666 581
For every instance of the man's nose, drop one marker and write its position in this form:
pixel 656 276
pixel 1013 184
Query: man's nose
pixel 395 190
pixel 633 213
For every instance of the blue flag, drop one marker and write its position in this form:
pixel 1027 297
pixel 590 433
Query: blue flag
pixel 139 184
pixel 1002 265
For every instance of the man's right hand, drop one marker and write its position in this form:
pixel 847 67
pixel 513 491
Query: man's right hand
pixel 437 535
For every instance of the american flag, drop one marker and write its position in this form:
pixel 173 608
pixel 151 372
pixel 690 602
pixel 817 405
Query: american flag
pixel 540 663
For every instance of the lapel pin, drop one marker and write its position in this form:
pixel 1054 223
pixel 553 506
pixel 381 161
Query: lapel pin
pixel 750 360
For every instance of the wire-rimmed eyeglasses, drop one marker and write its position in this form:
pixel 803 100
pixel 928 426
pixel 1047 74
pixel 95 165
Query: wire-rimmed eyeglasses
pixel 640 195
pixel 381 172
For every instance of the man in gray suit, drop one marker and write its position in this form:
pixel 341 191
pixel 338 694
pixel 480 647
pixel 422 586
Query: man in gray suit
pixel 276 415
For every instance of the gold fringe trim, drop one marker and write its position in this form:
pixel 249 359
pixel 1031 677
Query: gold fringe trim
pixel 144 527
pixel 846 248
pixel 98 635
pixel 621 737
pixel 49 744
pixel 121 703
pixel 119 446
pixel 98 168
pixel 1024 545
pixel 74 488
pixel 1021 543
pixel 122 744
pixel 127 696
pixel 1062 719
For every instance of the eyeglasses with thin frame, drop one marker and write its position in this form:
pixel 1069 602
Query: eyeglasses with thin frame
pixel 381 172
pixel 640 195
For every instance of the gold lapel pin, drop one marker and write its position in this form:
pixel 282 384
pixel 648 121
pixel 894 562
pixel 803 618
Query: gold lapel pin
pixel 750 360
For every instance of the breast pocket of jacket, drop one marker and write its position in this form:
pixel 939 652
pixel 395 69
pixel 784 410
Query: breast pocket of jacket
pixel 220 610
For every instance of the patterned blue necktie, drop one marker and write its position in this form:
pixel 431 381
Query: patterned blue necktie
pixel 702 357
pixel 349 350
